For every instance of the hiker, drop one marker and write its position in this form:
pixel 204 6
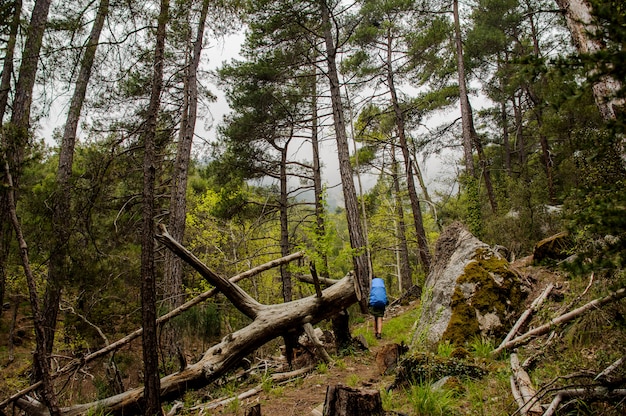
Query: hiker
pixel 377 304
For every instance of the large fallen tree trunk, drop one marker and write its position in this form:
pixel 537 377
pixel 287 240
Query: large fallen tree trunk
pixel 269 321
pixel 76 364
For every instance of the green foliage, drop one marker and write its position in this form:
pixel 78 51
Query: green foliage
pixel 426 401
pixel 481 347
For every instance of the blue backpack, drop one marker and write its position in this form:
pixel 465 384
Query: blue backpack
pixel 378 293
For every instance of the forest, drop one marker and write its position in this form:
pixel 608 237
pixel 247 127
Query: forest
pixel 147 253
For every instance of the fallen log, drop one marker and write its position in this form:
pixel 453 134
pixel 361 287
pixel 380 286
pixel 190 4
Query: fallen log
pixel 527 397
pixel 78 363
pixel 543 329
pixel 268 322
pixel 522 319
pixel 597 393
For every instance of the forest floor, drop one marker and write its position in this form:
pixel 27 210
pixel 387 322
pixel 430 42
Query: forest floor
pixel 579 349
pixel 302 395
pixel 586 346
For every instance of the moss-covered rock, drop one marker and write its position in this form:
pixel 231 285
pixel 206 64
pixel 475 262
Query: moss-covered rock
pixel 418 368
pixel 471 291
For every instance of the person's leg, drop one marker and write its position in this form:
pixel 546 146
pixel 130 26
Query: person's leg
pixel 379 326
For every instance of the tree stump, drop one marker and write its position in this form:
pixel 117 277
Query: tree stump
pixel 346 401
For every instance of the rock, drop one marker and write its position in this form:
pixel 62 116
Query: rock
pixel 388 356
pixel 470 291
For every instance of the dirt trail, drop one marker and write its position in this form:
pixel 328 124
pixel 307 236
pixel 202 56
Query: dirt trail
pixel 300 397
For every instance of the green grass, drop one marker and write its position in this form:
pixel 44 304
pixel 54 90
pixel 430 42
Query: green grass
pixel 428 402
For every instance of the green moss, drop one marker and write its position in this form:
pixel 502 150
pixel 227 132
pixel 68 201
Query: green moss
pixel 419 368
pixel 495 289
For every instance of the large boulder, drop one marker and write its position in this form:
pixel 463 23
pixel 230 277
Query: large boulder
pixel 471 291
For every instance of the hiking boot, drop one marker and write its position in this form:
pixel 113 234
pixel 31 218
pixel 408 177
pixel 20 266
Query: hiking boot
pixel 379 336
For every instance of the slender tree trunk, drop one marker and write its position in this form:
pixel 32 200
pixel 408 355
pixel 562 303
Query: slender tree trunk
pixel 466 116
pixel 505 125
pixel 148 278
pixel 7 65
pixel 284 225
pixel 40 358
pixel 420 232
pixel 15 138
pixel 178 200
pixel 355 228
pixel 59 268
pixel 15 143
pixel 519 130
pixel 320 230
pixel 173 273
pixel 404 266
pixel 5 88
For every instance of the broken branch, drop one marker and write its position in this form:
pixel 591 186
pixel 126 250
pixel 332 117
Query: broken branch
pixel 543 329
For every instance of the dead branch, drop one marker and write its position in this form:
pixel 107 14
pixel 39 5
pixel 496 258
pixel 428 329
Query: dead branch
pixel 320 351
pixel 522 319
pixel 597 303
pixel 276 378
pixel 527 395
pixel 323 280
pixel 599 393
pixel 609 369
pixel 239 298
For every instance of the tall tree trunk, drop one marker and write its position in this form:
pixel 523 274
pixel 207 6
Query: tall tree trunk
pixel 318 192
pixel 148 278
pixel 355 228
pixel 420 232
pixel 59 268
pixel 404 266
pixel 173 273
pixel 580 23
pixel 284 224
pixel 5 88
pixel 178 200
pixel 7 65
pixel 41 358
pixel 15 142
pixel 466 116
pixel 15 139
pixel 538 111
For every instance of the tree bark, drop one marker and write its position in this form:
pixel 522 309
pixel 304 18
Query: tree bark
pixel 346 401
pixel 5 88
pixel 152 401
pixel 178 200
pixel 579 19
pixel 317 179
pixel 466 117
pixel 7 65
pixel 355 228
